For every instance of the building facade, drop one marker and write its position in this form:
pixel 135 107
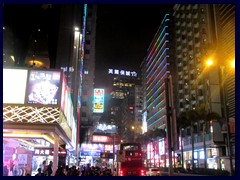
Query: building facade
pixel 88 119
pixel 198 35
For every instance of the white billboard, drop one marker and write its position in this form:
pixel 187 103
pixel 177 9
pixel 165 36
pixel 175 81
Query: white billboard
pixel 14 85
pixel 98 101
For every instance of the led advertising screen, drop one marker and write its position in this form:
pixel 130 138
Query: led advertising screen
pixel 14 85
pixel 93 150
pixel 43 87
pixel 105 139
pixel 98 101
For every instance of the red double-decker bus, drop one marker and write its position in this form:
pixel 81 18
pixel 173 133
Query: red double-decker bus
pixel 130 160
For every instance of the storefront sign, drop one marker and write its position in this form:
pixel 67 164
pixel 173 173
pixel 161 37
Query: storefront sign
pixel 105 139
pixel 48 152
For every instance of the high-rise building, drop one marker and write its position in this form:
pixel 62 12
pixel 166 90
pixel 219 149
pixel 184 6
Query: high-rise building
pixel 138 125
pixel 226 46
pixel 158 79
pixel 88 119
pixel 76 56
pixel 195 43
pixel 122 105
pixel 158 65
pixel 203 32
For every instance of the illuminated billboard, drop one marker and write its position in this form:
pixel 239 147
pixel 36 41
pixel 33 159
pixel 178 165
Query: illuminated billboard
pixel 122 72
pixel 14 85
pixel 43 87
pixel 98 101
pixel 93 150
pixel 105 139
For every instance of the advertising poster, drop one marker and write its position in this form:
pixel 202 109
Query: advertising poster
pixel 14 85
pixel 44 87
pixel 98 101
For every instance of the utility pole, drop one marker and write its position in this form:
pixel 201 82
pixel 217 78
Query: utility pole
pixel 169 133
pixel 113 152
pixel 225 115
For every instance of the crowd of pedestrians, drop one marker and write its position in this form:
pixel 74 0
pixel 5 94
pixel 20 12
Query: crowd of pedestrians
pixel 46 170
pixel 83 171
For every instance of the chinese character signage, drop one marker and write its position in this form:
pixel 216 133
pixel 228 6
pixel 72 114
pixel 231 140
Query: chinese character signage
pixel 98 101
pixel 48 152
pixel 122 72
pixel 44 87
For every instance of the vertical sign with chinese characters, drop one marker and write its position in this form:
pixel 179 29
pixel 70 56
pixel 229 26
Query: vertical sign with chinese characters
pixel 98 101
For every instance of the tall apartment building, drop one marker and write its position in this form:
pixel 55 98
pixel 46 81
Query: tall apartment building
pixel 88 119
pixel 69 54
pixel 78 31
pixel 138 109
pixel 195 42
pixel 226 50
pixel 122 105
pixel 201 34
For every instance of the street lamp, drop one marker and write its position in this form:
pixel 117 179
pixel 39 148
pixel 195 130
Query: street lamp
pixel 225 107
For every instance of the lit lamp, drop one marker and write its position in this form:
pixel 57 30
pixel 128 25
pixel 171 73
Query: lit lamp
pixel 225 107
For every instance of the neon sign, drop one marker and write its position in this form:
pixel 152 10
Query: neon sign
pixel 122 72
pixel 98 101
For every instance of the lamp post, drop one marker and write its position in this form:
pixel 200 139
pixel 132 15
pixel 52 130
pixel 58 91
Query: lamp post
pixel 225 110
pixel 182 147
pixel 224 106
pixel 113 167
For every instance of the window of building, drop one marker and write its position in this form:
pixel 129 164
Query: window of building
pixel 84 114
pixel 84 103
pixel 181 105
pixel 87 41
pixel 87 51
pixel 84 92
pixel 200 92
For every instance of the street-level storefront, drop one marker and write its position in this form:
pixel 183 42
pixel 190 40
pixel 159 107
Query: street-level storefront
pixel 38 121
pixel 31 144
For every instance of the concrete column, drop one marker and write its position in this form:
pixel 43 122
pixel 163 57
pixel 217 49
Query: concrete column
pixel 55 153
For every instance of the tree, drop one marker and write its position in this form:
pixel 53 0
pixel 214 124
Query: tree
pixel 193 117
pixel 206 117
pixel 182 122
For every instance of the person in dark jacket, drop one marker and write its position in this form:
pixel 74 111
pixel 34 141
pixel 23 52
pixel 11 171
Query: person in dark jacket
pixel 60 172
pixel 49 169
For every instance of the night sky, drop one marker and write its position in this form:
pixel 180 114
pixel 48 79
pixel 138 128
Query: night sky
pixel 124 31
pixel 123 35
